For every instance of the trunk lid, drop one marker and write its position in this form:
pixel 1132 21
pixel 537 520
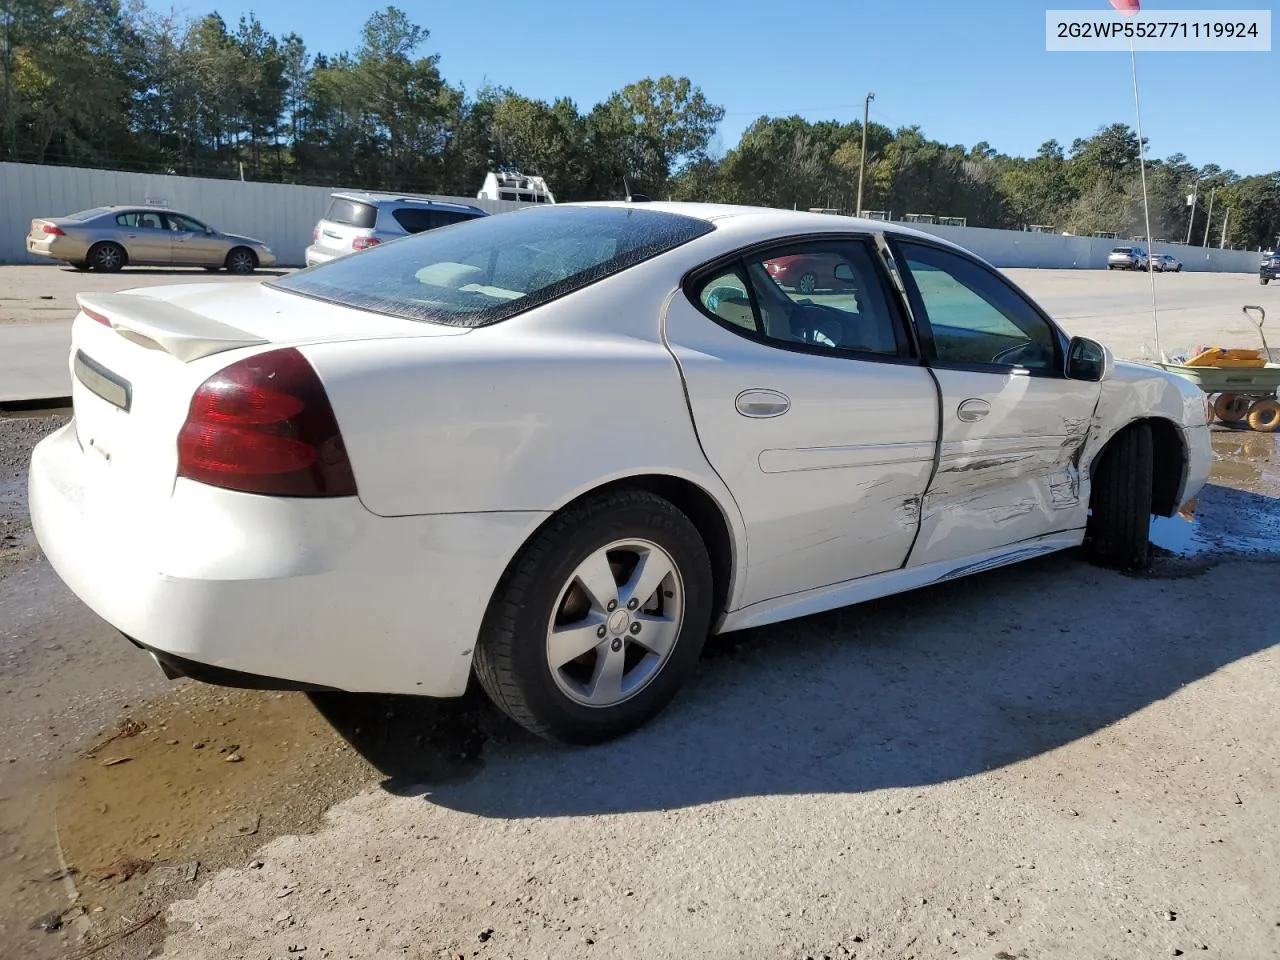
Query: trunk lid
pixel 137 358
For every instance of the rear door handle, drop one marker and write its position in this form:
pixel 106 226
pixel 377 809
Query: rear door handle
pixel 760 403
pixel 973 410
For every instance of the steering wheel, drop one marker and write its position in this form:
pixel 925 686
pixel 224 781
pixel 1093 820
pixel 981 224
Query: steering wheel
pixel 816 324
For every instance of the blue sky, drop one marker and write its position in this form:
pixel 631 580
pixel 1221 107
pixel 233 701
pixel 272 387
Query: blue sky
pixel 964 71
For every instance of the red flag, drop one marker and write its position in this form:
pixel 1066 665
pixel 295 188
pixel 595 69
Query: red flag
pixel 1127 7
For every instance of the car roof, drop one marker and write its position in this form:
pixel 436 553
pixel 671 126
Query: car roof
pixel 369 196
pixel 797 221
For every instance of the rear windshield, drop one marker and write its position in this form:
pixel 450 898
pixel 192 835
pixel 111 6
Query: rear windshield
pixel 490 268
pixel 1122 250
pixel 418 219
pixel 88 214
pixel 351 213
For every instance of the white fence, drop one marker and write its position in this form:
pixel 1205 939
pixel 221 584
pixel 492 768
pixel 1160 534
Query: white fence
pixel 280 215
pixel 1017 248
pixel 283 216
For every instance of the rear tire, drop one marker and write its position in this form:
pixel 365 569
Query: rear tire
pixel 1264 416
pixel 107 257
pixel 543 592
pixel 1119 528
pixel 1231 407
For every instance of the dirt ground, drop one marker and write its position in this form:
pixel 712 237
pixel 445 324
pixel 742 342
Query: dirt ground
pixel 1044 761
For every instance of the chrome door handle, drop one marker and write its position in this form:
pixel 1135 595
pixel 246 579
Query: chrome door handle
pixel 761 403
pixel 973 410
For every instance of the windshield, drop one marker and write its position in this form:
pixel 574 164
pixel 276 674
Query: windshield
pixel 487 269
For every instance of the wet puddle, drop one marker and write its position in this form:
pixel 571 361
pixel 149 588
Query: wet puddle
pixel 1238 512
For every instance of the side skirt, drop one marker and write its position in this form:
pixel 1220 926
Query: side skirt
pixel 895 581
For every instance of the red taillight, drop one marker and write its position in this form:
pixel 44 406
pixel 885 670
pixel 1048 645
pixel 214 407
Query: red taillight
pixel 364 243
pixel 53 230
pixel 95 315
pixel 315 235
pixel 265 425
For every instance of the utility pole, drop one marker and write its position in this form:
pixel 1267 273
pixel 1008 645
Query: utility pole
pixel 1210 220
pixel 1195 189
pixel 1222 242
pixel 862 160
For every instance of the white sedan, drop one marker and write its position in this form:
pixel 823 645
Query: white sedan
pixel 558 447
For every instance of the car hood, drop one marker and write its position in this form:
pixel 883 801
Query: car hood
pixel 236 238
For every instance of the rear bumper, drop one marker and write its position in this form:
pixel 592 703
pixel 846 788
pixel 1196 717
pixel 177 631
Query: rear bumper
pixel 317 254
pixel 294 593
pixel 55 248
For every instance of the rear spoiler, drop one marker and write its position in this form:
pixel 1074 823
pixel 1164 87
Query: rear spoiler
pixel 160 325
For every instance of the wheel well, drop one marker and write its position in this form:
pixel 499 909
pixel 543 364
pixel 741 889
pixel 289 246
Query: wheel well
pixel 124 253
pixel 706 515
pixel 1169 463
pixel 242 247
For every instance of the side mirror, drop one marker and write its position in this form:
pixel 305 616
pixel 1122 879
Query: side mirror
pixel 844 273
pixel 1088 360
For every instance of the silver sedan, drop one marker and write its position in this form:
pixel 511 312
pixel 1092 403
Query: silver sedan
pixel 112 237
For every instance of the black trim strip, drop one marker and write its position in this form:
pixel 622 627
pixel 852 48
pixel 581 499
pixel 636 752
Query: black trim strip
pixel 92 374
pixel 175 666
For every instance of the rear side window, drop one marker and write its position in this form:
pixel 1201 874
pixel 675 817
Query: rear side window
pixel 351 213
pixel 418 219
pixel 140 220
pixel 495 267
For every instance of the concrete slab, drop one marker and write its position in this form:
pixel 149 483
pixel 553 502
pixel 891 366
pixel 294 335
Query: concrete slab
pixel 33 361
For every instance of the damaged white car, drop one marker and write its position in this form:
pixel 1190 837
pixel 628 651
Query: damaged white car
pixel 558 447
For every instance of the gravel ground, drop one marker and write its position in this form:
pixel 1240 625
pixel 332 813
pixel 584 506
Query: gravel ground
pixel 17 437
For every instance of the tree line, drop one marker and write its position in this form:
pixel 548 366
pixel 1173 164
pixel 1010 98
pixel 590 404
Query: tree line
pixel 97 83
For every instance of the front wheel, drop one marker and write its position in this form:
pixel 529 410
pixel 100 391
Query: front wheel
pixel 1119 527
pixel 1264 280
pixel 808 283
pixel 241 261
pixel 599 620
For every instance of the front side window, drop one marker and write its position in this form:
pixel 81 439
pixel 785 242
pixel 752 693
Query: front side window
pixel 973 315
pixel 185 224
pixel 494 267
pixel 822 295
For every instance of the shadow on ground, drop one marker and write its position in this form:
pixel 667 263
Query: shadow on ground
pixel 929 686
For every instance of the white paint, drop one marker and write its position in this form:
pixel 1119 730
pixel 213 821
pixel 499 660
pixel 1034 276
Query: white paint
pixel 462 443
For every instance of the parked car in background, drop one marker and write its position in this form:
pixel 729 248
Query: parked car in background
pixel 119 235
pixel 357 221
pixel 805 274
pixel 1127 258
pixel 1270 268
pixel 1166 263
pixel 515 186
pixel 537 446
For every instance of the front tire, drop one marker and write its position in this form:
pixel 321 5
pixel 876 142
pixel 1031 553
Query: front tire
pixel 241 261
pixel 808 283
pixel 599 620
pixel 1119 527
